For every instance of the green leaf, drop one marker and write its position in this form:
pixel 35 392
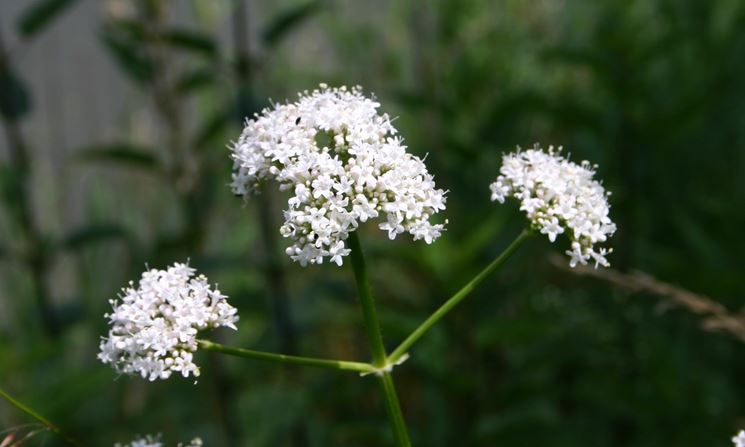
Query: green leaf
pixel 246 104
pixel 129 53
pixel 11 188
pixel 191 41
pixel 195 80
pixel 15 101
pixel 41 14
pixel 92 234
pixel 288 20
pixel 121 154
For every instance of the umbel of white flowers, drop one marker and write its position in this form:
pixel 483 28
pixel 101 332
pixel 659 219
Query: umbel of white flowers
pixel 154 441
pixel 343 164
pixel 154 326
pixel 739 440
pixel 558 196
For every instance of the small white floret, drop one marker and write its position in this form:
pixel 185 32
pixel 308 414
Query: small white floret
pixel 154 326
pixel 154 441
pixel 739 440
pixel 344 164
pixel 558 197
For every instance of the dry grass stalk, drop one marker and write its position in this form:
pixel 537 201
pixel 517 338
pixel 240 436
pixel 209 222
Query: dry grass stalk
pixel 715 316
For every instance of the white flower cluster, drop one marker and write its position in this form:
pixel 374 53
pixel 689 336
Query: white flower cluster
pixel 154 326
pixel 343 164
pixel 154 441
pixel 558 196
pixel 739 440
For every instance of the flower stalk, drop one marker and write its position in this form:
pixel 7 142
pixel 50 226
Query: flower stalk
pixel 459 296
pixel 375 338
pixel 342 365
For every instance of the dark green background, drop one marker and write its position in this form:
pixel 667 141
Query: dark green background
pixel 653 91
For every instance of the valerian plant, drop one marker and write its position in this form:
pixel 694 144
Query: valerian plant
pixel 343 163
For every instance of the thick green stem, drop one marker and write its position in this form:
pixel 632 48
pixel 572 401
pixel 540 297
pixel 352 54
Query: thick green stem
pixel 342 365
pixel 375 338
pixel 457 298
pixel 44 421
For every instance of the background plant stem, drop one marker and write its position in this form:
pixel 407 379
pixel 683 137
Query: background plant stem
pixel 35 256
pixel 184 173
pixel 375 338
pixel 44 421
pixel 274 272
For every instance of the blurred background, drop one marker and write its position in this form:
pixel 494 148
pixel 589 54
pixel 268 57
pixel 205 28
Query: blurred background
pixel 116 118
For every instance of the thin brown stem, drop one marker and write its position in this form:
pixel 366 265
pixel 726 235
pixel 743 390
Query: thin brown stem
pixel 715 315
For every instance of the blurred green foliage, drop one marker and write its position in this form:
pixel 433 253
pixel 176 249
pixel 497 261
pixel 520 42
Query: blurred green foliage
pixel 653 91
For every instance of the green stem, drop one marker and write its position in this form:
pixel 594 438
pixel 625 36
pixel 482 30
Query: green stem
pixel 44 421
pixel 369 311
pixel 375 338
pixel 393 407
pixel 342 365
pixel 457 298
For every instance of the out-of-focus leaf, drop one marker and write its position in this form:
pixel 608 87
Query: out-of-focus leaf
pixel 11 184
pixel 246 104
pixel 121 154
pixel 129 54
pixel 287 21
pixel 212 128
pixel 14 98
pixel 190 40
pixel 92 234
pixel 133 30
pixel 40 14
pixel 195 80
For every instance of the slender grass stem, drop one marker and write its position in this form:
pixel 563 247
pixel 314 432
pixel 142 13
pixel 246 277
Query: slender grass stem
pixel 342 365
pixel 375 337
pixel 453 301
pixel 44 421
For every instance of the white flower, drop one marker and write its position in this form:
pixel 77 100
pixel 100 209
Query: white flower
pixel 739 440
pixel 343 164
pixel 559 197
pixel 154 441
pixel 154 326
